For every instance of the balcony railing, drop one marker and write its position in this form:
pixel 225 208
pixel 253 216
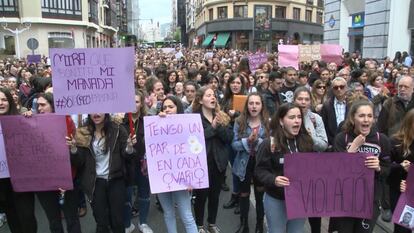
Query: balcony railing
pixel 9 8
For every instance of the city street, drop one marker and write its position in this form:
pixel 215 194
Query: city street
pixel 227 221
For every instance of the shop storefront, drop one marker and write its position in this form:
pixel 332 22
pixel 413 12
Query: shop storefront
pixel 242 40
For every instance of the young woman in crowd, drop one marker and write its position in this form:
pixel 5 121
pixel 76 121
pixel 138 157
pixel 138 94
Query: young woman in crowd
pixel 16 99
pixel 224 78
pixel 391 82
pixel 402 157
pixel 318 94
pixel 19 207
pixel 136 171
pixel 218 134
pixel 316 128
pixel 288 135
pixel 213 82
pixel 49 200
pixel 250 128
pixel 101 160
pixel 358 136
pixel 235 86
pixel 170 82
pixel 378 91
pixel 140 80
pixel 156 94
pixel 180 199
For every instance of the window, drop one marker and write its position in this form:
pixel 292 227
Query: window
pixel 61 40
pixel 93 11
pixel 296 13
pixel 308 15
pixel 67 9
pixel 9 8
pixel 320 3
pixel 240 11
pixel 210 14
pixel 281 12
pixel 222 12
pixel 309 2
pixel 319 17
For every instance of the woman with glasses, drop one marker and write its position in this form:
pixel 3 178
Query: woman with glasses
pixel 318 95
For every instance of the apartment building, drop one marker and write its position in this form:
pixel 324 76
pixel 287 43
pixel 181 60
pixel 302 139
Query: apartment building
pixel 256 24
pixel 60 24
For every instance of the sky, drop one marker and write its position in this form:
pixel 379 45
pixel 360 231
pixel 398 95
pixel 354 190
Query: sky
pixel 158 10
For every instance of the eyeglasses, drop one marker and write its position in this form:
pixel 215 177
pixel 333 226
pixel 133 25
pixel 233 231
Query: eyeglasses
pixel 321 87
pixel 339 87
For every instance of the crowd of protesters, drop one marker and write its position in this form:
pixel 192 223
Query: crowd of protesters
pixel 354 106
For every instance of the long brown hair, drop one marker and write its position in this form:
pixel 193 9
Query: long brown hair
pixel 349 124
pixel 304 141
pixel 406 133
pixel 197 107
pixel 242 120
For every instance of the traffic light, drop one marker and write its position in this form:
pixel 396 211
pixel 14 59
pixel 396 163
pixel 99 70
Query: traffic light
pixel 123 37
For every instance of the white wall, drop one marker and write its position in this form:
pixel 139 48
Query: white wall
pixel 398 35
pixel 343 28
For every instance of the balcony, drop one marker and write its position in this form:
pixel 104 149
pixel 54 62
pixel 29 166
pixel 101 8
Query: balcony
pixel 57 9
pixel 9 8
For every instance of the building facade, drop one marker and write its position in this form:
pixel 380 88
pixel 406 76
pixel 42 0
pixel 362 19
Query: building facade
pixel 60 24
pixel 375 28
pixel 254 25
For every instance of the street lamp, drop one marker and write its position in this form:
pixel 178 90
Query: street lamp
pixel 16 32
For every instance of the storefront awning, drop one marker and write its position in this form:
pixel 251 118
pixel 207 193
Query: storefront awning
pixel 222 39
pixel 208 40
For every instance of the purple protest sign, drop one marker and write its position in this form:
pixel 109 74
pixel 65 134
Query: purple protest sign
pixel 410 187
pixel 176 152
pixel 328 184
pixel 403 214
pixel 33 58
pixel 37 154
pixel 4 168
pixel 256 60
pixel 288 56
pixel 331 53
pixel 93 80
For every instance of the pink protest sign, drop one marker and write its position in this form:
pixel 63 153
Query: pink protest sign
pixel 93 80
pixel 404 211
pixel 37 154
pixel 328 184
pixel 288 56
pixel 176 152
pixel 331 53
pixel 4 168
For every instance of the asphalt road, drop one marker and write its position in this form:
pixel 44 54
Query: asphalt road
pixel 226 220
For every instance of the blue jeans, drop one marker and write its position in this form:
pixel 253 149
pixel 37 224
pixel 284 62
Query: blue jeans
pixel 183 201
pixel 276 217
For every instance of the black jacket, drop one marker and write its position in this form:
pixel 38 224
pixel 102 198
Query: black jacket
pixel 397 172
pixel 217 143
pixel 329 119
pixel 84 159
pixel 268 167
pixel 376 143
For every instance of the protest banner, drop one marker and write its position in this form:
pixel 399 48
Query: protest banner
pixel 4 168
pixel 176 153
pixel 37 154
pixel 256 60
pixel 93 80
pixel 288 56
pixel 33 58
pixel 331 53
pixel 168 50
pixel 404 211
pixel 328 184
pixel 309 53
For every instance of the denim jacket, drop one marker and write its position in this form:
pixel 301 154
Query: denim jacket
pixel 242 148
